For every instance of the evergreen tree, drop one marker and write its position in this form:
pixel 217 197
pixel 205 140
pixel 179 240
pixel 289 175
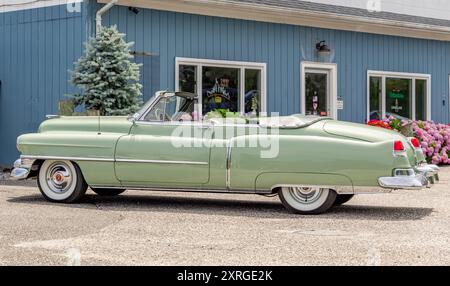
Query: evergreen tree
pixel 107 77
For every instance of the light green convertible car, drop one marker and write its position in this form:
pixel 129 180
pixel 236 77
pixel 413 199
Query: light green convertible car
pixel 312 163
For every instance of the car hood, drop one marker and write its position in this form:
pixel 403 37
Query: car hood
pixel 360 131
pixel 114 124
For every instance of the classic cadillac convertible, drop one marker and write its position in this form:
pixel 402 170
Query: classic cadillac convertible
pixel 312 163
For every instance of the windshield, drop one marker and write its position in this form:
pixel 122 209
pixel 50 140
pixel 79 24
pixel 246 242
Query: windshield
pixel 145 107
pixel 170 108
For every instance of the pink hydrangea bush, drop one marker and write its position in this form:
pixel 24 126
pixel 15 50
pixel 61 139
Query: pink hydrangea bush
pixel 434 138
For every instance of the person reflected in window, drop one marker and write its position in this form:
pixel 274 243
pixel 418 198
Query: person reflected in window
pixel 223 95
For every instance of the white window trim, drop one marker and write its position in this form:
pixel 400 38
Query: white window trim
pixel 401 75
pixel 332 68
pixel 225 64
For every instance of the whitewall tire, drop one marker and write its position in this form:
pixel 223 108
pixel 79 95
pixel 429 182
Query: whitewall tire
pixel 307 200
pixel 61 181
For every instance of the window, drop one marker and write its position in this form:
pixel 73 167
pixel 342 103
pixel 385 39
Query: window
pixel 402 95
pixel 234 86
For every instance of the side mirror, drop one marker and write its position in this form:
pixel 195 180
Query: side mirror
pixel 132 119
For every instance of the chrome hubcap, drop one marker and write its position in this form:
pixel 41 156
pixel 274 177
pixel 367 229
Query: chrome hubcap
pixel 305 195
pixel 59 178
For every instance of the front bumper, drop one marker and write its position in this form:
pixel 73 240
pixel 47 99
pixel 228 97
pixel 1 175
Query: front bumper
pixel 22 169
pixel 418 178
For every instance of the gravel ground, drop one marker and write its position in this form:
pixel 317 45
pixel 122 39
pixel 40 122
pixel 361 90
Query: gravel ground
pixel 156 228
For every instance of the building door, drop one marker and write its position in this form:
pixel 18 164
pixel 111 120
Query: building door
pixel 319 89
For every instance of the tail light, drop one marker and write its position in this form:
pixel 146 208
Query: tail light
pixel 399 147
pixel 415 142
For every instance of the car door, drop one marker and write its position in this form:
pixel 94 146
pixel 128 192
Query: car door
pixel 163 152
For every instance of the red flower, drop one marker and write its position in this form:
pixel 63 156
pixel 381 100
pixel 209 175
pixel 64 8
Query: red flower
pixel 379 123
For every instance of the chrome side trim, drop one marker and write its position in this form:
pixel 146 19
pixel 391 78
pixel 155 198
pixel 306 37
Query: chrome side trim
pixel 52 116
pixel 228 166
pixel 192 190
pixel 36 157
pixel 160 162
pixel 343 190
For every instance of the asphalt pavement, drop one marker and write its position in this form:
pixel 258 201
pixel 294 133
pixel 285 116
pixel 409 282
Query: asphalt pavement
pixel 157 228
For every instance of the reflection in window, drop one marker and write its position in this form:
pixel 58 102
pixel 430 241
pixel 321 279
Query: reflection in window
pixel 188 78
pixel 316 93
pixel 220 89
pixel 224 85
pixel 375 98
pixel 421 99
pixel 404 96
pixel 252 97
pixel 398 97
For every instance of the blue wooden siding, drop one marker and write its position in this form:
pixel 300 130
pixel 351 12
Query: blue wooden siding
pixel 37 47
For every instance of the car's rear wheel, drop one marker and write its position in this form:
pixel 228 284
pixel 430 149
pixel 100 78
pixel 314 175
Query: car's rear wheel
pixel 61 181
pixel 107 192
pixel 342 199
pixel 307 200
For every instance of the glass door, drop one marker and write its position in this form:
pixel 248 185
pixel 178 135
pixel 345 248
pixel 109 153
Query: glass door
pixel 317 92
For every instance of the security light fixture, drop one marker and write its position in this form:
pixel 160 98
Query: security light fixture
pixel 323 49
pixel 134 10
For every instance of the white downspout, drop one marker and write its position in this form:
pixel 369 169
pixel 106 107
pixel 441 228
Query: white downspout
pixel 98 15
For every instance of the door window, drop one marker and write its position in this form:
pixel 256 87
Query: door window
pixel 317 93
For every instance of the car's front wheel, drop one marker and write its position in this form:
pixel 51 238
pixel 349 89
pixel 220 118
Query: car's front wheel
pixel 61 181
pixel 107 192
pixel 307 200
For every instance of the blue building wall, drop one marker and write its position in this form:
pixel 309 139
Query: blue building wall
pixel 38 46
pixel 283 47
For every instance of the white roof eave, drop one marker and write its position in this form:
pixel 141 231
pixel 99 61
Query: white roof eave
pixel 293 16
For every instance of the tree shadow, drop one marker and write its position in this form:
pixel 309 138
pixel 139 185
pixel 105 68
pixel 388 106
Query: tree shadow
pixel 229 207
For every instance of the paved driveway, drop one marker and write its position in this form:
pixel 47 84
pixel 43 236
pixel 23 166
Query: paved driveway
pixel 155 228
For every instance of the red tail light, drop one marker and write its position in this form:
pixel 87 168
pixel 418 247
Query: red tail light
pixel 415 143
pixel 398 146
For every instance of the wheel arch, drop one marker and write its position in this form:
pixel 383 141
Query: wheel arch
pixel 273 181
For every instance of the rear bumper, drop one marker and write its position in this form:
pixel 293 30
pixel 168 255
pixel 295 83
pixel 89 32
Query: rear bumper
pixel 431 172
pixel 419 178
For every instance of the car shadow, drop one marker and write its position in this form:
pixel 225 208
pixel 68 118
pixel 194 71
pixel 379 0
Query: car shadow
pixel 230 207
